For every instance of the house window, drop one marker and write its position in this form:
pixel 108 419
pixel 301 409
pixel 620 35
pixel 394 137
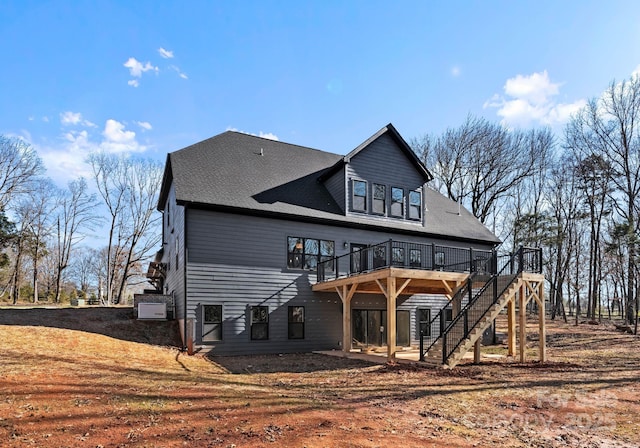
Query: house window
pixel 259 323
pixel 296 322
pixel 415 205
pixel 415 258
pixel 397 256
pixel 424 321
pixel 397 202
pixel 360 195
pixel 448 314
pixel 212 323
pixel 306 253
pixel 176 249
pixel 379 199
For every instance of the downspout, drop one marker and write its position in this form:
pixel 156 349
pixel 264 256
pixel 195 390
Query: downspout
pixel 184 284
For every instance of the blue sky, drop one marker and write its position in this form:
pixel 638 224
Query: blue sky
pixel 150 77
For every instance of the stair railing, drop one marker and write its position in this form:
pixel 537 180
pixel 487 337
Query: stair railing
pixel 524 260
pixel 438 323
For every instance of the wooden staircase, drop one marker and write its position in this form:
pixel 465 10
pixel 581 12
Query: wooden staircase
pixel 474 319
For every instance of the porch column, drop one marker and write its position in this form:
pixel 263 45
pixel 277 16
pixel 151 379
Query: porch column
pixel 523 323
pixel 392 295
pixel 346 294
pixel 511 326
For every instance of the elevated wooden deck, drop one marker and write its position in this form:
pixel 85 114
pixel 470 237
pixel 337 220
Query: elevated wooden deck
pixel 415 276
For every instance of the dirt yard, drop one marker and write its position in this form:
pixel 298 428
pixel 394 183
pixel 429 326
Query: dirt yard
pixel 97 378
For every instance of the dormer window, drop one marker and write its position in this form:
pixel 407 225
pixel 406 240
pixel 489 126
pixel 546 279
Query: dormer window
pixel 415 205
pixel 397 202
pixel 359 195
pixel 379 199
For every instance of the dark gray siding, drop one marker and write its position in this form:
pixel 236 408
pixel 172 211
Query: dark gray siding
pixel 383 162
pixel 174 232
pixel 241 261
pixel 335 186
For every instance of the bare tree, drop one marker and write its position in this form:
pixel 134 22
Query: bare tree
pixel 76 215
pixel 142 236
pixel 19 165
pixel 480 163
pixel 606 127
pixel 129 189
pixel 35 210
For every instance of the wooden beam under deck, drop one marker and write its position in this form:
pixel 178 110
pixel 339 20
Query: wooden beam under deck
pixel 412 281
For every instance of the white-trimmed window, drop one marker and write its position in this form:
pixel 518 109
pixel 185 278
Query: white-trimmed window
pixel 359 195
pixel 397 202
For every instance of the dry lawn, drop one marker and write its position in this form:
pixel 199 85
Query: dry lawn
pixel 97 378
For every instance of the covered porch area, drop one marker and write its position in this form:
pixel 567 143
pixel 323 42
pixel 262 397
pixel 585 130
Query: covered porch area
pixel 391 282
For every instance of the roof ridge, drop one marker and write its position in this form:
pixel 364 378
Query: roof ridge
pixel 246 134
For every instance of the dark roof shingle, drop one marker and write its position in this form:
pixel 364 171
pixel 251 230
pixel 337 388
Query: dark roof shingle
pixel 241 172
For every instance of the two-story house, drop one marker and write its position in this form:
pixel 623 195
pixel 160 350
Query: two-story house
pixel 251 225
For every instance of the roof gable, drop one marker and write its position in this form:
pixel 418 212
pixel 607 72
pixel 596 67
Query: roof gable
pixel 390 131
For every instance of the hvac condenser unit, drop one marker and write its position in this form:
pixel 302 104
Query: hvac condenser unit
pixel 152 310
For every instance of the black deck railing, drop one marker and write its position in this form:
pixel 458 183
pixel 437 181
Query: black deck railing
pixel 506 268
pixel 406 255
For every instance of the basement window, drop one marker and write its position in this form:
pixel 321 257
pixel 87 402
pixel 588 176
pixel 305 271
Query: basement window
pixel 424 321
pixel 259 323
pixel 296 322
pixel 212 323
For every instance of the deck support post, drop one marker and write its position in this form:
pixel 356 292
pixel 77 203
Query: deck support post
pixel 346 294
pixel 511 327
pixel 476 351
pixel 541 323
pixel 392 295
pixel 523 322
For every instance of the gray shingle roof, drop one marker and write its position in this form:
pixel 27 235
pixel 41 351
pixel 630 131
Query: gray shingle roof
pixel 249 174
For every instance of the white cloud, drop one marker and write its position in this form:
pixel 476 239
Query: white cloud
pixel 528 100
pixel 456 71
pixel 179 72
pixel 166 54
pixel 144 125
pixel 74 118
pixel 45 119
pixel 137 68
pixel 65 159
pixel 267 135
pixel 118 140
